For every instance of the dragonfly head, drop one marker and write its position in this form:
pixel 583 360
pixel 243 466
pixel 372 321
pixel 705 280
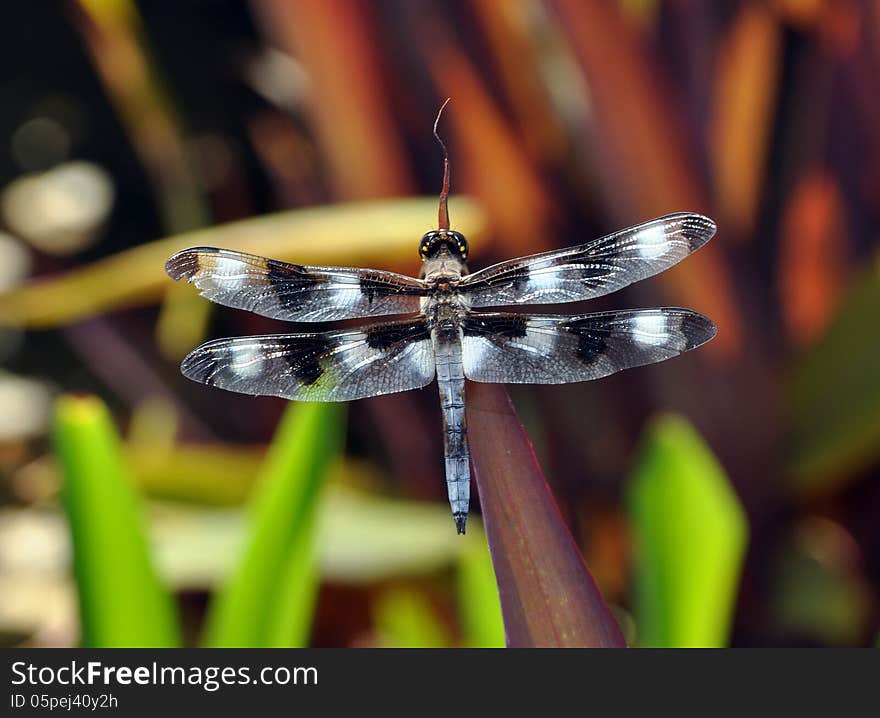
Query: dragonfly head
pixel 438 241
pixel 443 241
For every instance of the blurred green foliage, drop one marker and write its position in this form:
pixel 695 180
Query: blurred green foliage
pixel 690 537
pixel 819 597
pixel 122 603
pixel 834 396
pixel 479 606
pixel 405 618
pixel 269 599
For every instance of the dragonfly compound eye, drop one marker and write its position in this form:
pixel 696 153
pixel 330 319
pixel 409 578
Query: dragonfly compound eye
pixel 429 244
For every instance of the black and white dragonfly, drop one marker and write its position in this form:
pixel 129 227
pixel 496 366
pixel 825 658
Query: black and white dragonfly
pixel 446 328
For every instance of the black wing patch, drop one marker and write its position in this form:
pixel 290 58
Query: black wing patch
pixel 546 349
pixel 294 292
pixel 338 365
pixel 590 270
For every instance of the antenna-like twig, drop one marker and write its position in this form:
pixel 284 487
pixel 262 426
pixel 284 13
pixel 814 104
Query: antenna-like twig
pixel 443 213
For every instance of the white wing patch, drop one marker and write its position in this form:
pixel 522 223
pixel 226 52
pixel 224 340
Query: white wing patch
pixel 230 270
pixel 650 329
pixel 248 362
pixel 652 242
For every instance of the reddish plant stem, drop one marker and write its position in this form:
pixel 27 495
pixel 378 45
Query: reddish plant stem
pixel 548 597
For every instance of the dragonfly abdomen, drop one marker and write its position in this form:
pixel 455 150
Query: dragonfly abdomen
pixel 450 379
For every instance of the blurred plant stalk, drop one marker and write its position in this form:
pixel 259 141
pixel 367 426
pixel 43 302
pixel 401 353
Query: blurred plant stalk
pixel 491 162
pixel 114 36
pixel 382 233
pixel 744 103
pixel 347 101
pixel 648 167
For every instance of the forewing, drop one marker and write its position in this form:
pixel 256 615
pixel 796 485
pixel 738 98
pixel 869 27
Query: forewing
pixel 545 349
pixel 590 270
pixel 332 366
pixel 294 292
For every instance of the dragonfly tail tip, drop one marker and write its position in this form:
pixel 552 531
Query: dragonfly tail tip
pixel 460 521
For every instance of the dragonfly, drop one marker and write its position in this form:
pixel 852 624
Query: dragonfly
pixel 445 324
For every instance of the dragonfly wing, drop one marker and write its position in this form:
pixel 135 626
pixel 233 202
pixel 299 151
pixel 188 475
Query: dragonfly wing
pixel 546 349
pixel 294 292
pixel 338 365
pixel 590 270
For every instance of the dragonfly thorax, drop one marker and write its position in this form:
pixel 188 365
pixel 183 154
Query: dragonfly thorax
pixel 445 307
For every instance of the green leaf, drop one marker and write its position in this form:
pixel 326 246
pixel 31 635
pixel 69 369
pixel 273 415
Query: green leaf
pixel 290 624
pixel 690 535
pixel 478 602
pixel 270 597
pixel 834 396
pixel 122 603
